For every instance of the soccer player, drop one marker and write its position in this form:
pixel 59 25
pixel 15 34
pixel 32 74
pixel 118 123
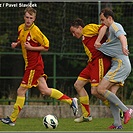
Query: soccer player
pixel 116 47
pixel 98 64
pixel 32 42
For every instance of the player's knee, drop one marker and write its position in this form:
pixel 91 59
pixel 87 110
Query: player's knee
pixel 21 91
pixel 99 90
pixel 75 85
pixel 46 91
pixel 94 91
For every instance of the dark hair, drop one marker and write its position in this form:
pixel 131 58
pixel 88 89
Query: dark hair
pixel 77 22
pixel 107 12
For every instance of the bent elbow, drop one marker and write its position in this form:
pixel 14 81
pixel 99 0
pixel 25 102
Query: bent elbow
pixel 46 49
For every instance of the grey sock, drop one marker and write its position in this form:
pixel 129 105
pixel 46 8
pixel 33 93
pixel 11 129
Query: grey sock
pixel 116 114
pixel 114 99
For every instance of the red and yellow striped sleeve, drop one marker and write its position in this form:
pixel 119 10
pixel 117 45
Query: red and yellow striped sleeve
pixel 91 30
pixel 40 37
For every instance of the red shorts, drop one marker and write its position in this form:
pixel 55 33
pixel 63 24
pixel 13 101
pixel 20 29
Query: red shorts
pixel 95 70
pixel 31 77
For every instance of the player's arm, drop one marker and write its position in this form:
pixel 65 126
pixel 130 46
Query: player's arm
pixel 101 34
pixel 38 48
pixel 41 39
pixel 15 44
pixel 123 41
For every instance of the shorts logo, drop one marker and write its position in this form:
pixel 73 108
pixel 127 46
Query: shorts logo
pixel 94 80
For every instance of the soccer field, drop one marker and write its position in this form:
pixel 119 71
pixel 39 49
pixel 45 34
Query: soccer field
pixel 65 125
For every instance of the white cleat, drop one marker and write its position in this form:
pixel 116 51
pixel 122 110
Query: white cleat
pixel 7 121
pixel 74 106
pixel 83 119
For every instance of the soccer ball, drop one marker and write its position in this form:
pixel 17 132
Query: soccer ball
pixel 50 121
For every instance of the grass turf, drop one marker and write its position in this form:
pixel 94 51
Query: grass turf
pixel 65 124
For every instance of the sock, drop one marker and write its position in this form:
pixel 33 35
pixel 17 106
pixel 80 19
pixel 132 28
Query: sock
pixel 114 99
pixel 60 96
pixel 17 108
pixel 106 102
pixel 116 114
pixel 84 101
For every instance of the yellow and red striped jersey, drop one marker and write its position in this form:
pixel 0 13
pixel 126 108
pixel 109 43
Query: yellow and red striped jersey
pixel 35 37
pixel 90 34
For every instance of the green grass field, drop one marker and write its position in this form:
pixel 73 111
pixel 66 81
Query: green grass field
pixel 65 124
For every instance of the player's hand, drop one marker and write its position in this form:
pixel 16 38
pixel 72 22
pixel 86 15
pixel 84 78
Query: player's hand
pixel 125 51
pixel 14 44
pixel 97 44
pixel 28 46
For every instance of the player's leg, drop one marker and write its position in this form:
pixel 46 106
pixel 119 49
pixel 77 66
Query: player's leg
pixel 115 111
pixel 116 115
pixel 107 103
pixel 56 94
pixel 19 103
pixel 84 100
pixel 98 69
pixel 103 87
pixel 29 74
pixel 17 107
pixel 114 89
pixel 96 94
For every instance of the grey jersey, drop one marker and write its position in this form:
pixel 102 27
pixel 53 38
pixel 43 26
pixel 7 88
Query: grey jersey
pixel 120 67
pixel 112 47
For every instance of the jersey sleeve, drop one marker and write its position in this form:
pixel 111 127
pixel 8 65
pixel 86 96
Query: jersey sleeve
pixel 42 39
pixel 91 30
pixel 118 29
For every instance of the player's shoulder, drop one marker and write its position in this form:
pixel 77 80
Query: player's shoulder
pixel 21 26
pixel 91 29
pixel 116 25
pixel 35 28
pixel 92 26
